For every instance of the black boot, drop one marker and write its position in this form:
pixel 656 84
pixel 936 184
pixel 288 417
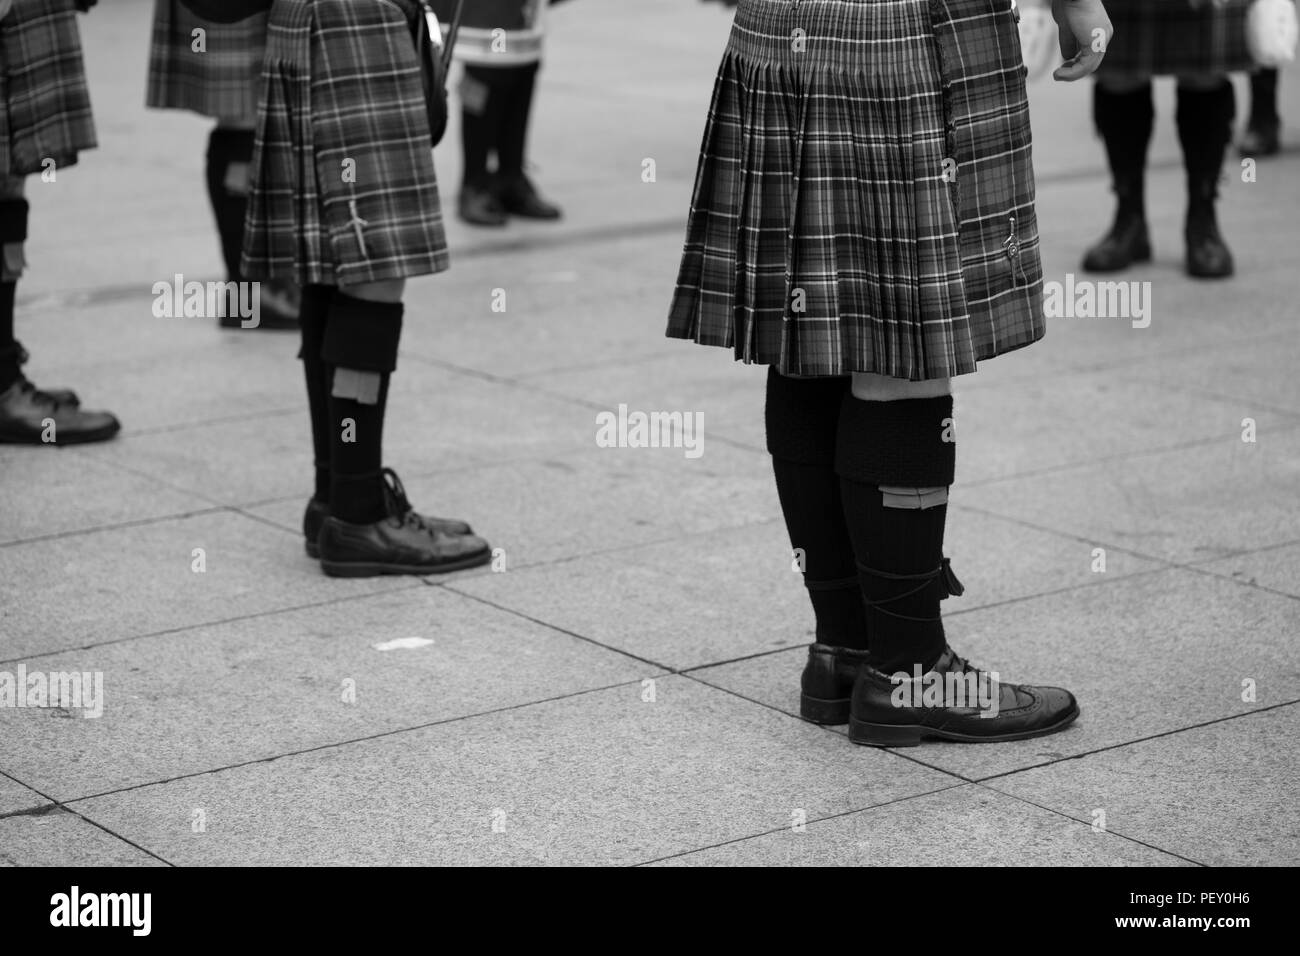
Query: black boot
pixel 1263 131
pixel 1205 129
pixel 1124 121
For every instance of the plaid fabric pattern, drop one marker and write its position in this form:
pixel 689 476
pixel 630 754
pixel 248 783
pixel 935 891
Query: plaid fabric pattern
pixel 1162 37
pixel 343 188
pixel 44 104
pixel 864 199
pixel 221 81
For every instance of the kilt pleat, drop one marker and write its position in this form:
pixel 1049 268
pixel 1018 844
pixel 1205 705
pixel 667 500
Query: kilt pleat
pixel 343 183
pixel 44 103
pixel 1164 37
pixel 827 233
pixel 220 80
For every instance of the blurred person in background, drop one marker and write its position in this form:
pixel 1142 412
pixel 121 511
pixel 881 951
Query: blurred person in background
pixel 45 122
pixel 215 70
pixel 1199 42
pixel 500 43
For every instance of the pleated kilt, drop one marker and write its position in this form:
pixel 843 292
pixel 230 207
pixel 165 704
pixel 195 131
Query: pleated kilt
pixel 343 184
pixel 1162 37
pixel 221 81
pixel 864 201
pixel 44 104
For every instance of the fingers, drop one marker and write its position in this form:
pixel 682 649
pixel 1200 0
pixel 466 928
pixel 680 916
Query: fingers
pixel 1085 63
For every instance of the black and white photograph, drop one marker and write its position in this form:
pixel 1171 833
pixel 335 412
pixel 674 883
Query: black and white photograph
pixel 618 433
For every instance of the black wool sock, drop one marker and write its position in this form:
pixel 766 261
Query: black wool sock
pixel 360 350
pixel 1263 97
pixel 886 452
pixel 1204 119
pixel 477 125
pixel 226 147
pixel 10 350
pixel 315 310
pixel 357 455
pixel 1125 122
pixel 801 417
pixel 13 229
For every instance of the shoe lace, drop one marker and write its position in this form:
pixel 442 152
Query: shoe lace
pixel 399 506
pixel 39 397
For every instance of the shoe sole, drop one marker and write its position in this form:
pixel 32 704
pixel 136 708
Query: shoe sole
pixel 372 569
pixel 86 438
pixel 910 735
pixel 313 550
pixel 827 712
pixel 1141 257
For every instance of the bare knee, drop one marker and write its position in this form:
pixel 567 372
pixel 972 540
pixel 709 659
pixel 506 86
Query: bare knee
pixel 1201 82
pixel 390 291
pixel 11 187
pixel 870 387
pixel 1122 82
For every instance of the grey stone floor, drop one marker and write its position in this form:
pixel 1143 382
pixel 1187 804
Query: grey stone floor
pixel 625 691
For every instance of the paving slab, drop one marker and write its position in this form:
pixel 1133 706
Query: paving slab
pixel 563 506
pixel 1145 655
pixel 1190 504
pixel 1221 795
pixel 438 420
pixel 257 688
pixel 732 593
pixel 68 592
pixel 53 491
pixel 15 797
pixel 961 826
pixel 56 837
pixel 681 603
pixel 1275 568
pixel 1032 426
pixel 605 777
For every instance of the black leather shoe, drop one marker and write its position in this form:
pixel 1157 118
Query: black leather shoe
pixel 317 511
pixel 889 713
pixel 396 545
pixel 518 196
pixel 827 683
pixel 1262 138
pixel 480 207
pixel 26 411
pixel 1208 256
pixel 1127 242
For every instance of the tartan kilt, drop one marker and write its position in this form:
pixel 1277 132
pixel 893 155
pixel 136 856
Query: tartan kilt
pixel 1162 37
pixel 343 186
pixel 865 204
pixel 220 82
pixel 44 104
